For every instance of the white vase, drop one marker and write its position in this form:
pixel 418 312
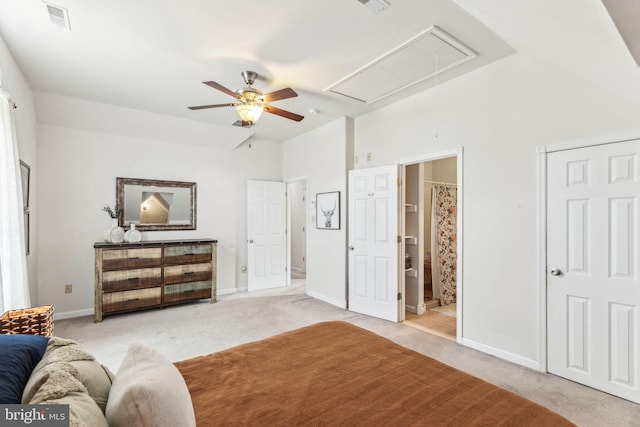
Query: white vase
pixel 133 235
pixel 114 234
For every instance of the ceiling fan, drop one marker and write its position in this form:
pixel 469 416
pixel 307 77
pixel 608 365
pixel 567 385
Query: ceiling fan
pixel 251 102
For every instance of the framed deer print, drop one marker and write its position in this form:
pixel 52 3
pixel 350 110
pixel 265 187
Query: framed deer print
pixel 328 211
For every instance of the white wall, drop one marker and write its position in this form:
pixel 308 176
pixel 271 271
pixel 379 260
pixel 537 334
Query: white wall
pixel 323 157
pixel 14 82
pixel 78 168
pixel 564 83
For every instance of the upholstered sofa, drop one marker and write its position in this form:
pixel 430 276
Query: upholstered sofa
pixel 148 390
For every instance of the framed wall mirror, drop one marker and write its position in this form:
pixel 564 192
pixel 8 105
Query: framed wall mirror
pixel 154 205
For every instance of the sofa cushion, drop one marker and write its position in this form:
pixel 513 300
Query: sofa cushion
pixel 59 386
pixel 148 390
pixel 65 354
pixel 19 354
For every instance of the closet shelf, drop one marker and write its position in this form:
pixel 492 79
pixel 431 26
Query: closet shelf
pixel 410 208
pixel 410 240
pixel 411 272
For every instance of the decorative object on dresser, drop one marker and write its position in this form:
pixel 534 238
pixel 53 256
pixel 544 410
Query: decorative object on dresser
pixel 133 235
pixel 115 233
pixel 134 276
pixel 153 204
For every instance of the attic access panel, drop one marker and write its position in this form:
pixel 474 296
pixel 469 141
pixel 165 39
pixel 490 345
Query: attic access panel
pixel 420 58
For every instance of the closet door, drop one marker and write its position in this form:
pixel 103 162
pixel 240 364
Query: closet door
pixel 593 287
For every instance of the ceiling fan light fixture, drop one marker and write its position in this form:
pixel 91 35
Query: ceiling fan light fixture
pixel 250 102
pixel 249 112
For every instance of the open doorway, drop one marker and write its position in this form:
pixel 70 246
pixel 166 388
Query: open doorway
pixel 297 226
pixel 430 246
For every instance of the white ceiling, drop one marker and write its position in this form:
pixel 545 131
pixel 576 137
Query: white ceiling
pixel 626 14
pixel 153 55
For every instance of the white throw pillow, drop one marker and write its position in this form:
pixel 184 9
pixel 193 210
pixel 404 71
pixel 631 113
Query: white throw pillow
pixel 149 391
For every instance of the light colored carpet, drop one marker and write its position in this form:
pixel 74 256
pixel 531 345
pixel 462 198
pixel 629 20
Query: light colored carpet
pixel 185 331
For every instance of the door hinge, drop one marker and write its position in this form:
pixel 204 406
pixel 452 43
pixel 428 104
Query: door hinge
pixel 399 296
pixel 399 182
pixel 399 239
pixel 303 259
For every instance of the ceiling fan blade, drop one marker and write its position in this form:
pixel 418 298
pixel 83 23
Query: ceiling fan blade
pixel 221 88
pixel 202 107
pixel 283 113
pixel 280 94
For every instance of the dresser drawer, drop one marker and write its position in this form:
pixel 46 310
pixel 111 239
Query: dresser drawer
pixel 124 280
pixel 128 300
pixel 187 273
pixel 187 291
pixel 187 254
pixel 131 258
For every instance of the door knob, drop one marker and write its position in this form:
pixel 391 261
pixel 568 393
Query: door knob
pixel 555 271
pixel 251 241
pixel 351 247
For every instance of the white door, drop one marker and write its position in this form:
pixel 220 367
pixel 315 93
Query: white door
pixel 373 242
pixel 593 291
pixel 266 234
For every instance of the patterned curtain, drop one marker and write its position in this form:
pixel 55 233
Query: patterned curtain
pixel 443 243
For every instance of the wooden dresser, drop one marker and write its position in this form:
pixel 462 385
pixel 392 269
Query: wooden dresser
pixel 136 276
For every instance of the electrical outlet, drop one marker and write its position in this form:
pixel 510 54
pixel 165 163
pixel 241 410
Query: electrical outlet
pixel 68 288
pixel 368 157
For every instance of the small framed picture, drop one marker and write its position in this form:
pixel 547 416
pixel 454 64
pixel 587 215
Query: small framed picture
pixel 328 211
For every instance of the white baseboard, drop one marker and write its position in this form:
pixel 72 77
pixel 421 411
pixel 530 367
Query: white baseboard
pixel 410 309
pixel 341 304
pixel 227 291
pixel 91 312
pixel 72 314
pixel 298 270
pixel 502 354
pixel 420 309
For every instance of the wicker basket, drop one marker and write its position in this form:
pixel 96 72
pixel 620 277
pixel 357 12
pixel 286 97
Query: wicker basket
pixel 30 321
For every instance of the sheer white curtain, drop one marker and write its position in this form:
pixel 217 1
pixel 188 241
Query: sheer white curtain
pixel 14 283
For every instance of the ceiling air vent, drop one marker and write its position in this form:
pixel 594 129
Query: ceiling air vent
pixel 58 16
pixel 376 6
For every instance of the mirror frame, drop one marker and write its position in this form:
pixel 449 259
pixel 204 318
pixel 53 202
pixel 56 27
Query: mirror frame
pixel 120 198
